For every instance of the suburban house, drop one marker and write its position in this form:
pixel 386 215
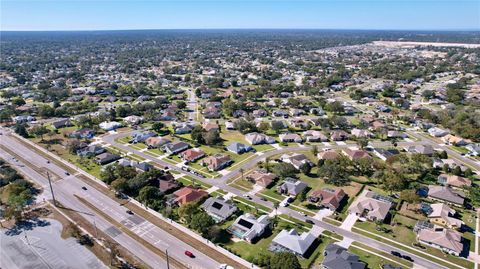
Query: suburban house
pixel 132 120
pixel 437 132
pixel 454 181
pixel 291 137
pixel 361 133
pixel 442 214
pixel 292 186
pixel 238 148
pixel 454 140
pixel 421 149
pixel 139 137
pixel 210 127
pixel 261 178
pixel 175 147
pixel 338 135
pixel 166 183
pixel 90 151
pixel 337 257
pixel 371 206
pixel 473 149
pixel 156 142
pixel 142 166
pixel 218 208
pixel 110 125
pixel 23 119
pixel 314 136
pixel 395 134
pixel 247 227
pixel 188 194
pixel 61 123
pixel 446 194
pixel 356 154
pixel 191 155
pixel 106 158
pixel 293 242
pixel 82 133
pixel 258 138
pixel 183 128
pixel 446 240
pixel 326 197
pixel 384 154
pixel 217 161
pixel 328 155
pixel 296 159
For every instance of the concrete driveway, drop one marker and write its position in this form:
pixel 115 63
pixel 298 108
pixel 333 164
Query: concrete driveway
pixel 349 221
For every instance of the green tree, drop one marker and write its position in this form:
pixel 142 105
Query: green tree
pixel 284 170
pixel 201 222
pixel 284 260
pixel 306 169
pixel 362 142
pixel 108 174
pixel 181 104
pixel 119 185
pixel 21 130
pixel 158 126
pixel 148 195
pixel 39 131
pixel 409 196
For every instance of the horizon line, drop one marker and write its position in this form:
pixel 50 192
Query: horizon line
pixel 239 28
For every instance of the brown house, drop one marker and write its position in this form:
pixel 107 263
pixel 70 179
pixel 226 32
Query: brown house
pixel 191 155
pixel 188 194
pixel 261 178
pixel 328 198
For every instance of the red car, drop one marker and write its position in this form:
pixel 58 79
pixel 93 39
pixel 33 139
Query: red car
pixel 189 254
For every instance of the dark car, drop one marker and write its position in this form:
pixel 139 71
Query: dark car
pixel 408 258
pixel 395 253
pixel 189 254
pixel 129 212
pixel 67 173
pixel 84 188
pixel 309 221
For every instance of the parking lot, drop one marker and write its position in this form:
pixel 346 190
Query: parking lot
pixel 39 245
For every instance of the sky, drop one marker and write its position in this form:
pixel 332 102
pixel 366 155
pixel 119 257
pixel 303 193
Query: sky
pixel 48 15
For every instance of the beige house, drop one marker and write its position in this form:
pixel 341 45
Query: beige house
pixel 443 215
pixel 371 206
pixel 444 239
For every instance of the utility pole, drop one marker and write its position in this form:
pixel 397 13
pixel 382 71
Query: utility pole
pixel 51 189
pixel 168 264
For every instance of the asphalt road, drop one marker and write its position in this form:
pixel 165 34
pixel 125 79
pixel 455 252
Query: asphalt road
pixel 221 184
pixel 68 186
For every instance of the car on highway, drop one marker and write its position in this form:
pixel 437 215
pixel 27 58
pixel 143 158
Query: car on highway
pixel 84 188
pixel 129 212
pixel 309 221
pixel 408 258
pixel 189 254
pixel 263 199
pixel 396 253
pixel 67 173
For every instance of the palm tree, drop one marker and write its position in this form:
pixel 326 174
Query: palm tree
pixel 242 171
